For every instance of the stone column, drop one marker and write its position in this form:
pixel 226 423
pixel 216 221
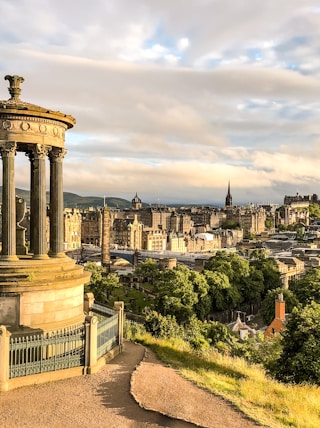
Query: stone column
pixel 29 154
pixel 8 152
pixel 38 201
pixel 56 156
pixel 105 250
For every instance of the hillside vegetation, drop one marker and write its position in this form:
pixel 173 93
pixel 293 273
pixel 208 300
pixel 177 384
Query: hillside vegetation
pixel 72 200
pixel 271 403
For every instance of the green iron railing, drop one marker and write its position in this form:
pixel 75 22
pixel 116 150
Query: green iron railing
pixel 32 354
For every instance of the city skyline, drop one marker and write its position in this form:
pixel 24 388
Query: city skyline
pixel 174 99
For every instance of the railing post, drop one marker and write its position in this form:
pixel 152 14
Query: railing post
pixel 88 302
pixel 91 343
pixel 4 358
pixel 119 309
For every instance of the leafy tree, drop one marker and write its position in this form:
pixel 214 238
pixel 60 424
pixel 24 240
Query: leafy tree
pixel 200 286
pixel 259 254
pixel 307 287
pixel 230 224
pixel 252 286
pixel 101 284
pixel 269 223
pixel 176 294
pixel 195 332
pixel 270 271
pixel 162 326
pixel 217 333
pixel 223 294
pixel 299 360
pixel 314 210
pixel 282 227
pixel 97 283
pixel 147 269
pixel 268 304
pixel 258 350
pixel 234 266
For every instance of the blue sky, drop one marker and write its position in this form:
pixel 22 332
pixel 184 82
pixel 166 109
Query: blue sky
pixel 174 98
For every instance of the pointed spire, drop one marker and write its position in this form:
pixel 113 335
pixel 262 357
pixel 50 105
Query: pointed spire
pixel 228 197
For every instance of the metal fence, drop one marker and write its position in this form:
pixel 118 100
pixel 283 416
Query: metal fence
pixel 107 330
pixel 32 354
pixel 39 353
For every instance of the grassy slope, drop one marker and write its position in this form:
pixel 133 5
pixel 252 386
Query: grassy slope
pixel 270 403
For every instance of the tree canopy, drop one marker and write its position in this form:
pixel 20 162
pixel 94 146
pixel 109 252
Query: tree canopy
pixel 307 287
pixel 299 359
pixel 177 292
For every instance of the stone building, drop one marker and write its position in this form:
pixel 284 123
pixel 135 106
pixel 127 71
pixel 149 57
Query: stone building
pixel 155 217
pixel 180 223
pixel 91 227
pixel 290 268
pixel 299 200
pixel 154 239
pixel 207 217
pixel 177 242
pixel 230 237
pixel 291 214
pixel 127 233
pixel 251 219
pixel 203 242
pixel 72 229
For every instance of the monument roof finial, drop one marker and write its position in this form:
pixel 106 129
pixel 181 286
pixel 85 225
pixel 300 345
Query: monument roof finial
pixel 14 88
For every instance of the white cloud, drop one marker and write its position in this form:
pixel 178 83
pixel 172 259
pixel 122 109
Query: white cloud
pixel 174 98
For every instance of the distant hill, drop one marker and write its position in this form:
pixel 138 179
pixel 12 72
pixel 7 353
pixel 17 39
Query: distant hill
pixel 71 200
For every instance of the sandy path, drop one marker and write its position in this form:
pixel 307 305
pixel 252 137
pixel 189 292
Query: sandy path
pixel 104 399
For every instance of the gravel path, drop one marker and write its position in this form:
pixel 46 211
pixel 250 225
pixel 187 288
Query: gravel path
pixel 104 399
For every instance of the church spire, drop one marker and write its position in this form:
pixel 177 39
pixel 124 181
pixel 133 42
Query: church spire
pixel 228 197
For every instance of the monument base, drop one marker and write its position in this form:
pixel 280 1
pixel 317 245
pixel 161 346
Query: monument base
pixel 41 294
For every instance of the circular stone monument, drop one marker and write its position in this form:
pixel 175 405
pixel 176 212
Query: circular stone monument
pixel 42 289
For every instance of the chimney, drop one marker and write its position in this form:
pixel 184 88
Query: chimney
pixel 280 308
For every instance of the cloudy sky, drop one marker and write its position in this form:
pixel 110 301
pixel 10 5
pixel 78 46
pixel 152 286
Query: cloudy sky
pixel 174 98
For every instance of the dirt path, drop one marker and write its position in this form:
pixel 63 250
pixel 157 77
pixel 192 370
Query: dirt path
pixel 179 398
pixel 104 399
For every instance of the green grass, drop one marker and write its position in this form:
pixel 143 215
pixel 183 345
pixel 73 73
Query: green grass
pixel 264 400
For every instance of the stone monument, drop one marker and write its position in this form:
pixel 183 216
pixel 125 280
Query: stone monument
pixel 42 289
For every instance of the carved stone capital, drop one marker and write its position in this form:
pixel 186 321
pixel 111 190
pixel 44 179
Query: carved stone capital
pixel 40 151
pixel 8 149
pixel 57 154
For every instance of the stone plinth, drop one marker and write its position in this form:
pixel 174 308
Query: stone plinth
pixel 42 294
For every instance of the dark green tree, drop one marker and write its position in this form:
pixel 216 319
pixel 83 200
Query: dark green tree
pixel 101 284
pixel 147 270
pixel 234 266
pixel 299 360
pixel 223 294
pixel 314 210
pixel 176 293
pixel 307 287
pixel 269 269
pixel 252 286
pixel 230 224
pixel 217 333
pixel 162 326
